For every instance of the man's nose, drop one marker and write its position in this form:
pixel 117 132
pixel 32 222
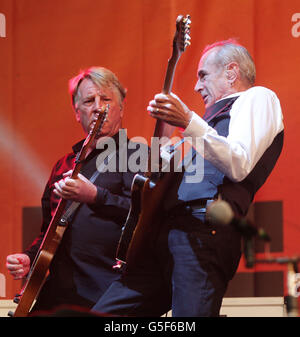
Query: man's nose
pixel 97 104
pixel 198 86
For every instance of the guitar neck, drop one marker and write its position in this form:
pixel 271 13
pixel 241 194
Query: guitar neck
pixel 88 142
pixel 168 83
pixel 55 221
pixel 163 129
pixel 180 42
pixel 81 156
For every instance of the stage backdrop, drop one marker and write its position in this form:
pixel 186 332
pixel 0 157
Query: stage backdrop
pixel 44 43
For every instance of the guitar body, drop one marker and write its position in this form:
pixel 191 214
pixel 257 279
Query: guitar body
pixel 39 270
pixel 150 219
pixel 40 267
pixel 144 218
pixel 132 219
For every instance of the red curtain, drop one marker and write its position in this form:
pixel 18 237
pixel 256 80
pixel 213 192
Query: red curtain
pixel 47 42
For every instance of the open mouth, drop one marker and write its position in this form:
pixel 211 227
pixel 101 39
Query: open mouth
pixel 205 98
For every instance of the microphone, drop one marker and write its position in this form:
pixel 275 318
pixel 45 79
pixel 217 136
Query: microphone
pixel 220 213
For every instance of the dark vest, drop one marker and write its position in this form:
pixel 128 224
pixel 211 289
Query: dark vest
pixel 214 182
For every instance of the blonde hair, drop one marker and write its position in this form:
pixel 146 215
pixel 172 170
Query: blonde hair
pixel 100 76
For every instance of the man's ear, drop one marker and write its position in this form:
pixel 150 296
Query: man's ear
pixel 121 110
pixel 232 70
pixel 77 114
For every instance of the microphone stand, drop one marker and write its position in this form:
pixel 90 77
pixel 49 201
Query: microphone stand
pixel 293 276
pixel 292 279
pixel 220 212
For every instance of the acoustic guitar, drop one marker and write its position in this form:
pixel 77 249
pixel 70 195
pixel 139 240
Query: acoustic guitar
pixel 40 266
pixel 149 190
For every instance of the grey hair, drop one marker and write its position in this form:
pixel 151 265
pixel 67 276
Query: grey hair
pixel 230 51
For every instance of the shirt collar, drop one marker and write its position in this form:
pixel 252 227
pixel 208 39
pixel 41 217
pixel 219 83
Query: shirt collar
pixel 229 96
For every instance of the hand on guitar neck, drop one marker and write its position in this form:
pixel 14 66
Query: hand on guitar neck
pixel 79 189
pixel 170 109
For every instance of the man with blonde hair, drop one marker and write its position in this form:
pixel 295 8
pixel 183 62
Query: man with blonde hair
pixel 82 269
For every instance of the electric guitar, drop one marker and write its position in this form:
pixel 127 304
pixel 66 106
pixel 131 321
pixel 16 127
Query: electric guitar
pixel 40 266
pixel 148 191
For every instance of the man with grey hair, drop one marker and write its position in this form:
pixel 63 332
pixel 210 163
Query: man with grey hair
pixel 82 269
pixel 241 137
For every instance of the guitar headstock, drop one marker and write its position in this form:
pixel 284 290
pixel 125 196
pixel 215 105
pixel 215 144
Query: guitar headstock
pixel 180 42
pixel 98 124
pixel 102 115
pixel 182 36
pixel 94 132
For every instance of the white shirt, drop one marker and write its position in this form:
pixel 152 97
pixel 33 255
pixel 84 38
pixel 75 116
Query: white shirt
pixel 255 120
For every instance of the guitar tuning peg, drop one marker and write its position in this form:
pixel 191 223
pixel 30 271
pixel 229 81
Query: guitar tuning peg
pixel 187 41
pixel 187 20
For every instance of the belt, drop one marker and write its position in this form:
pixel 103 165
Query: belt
pixel 190 207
